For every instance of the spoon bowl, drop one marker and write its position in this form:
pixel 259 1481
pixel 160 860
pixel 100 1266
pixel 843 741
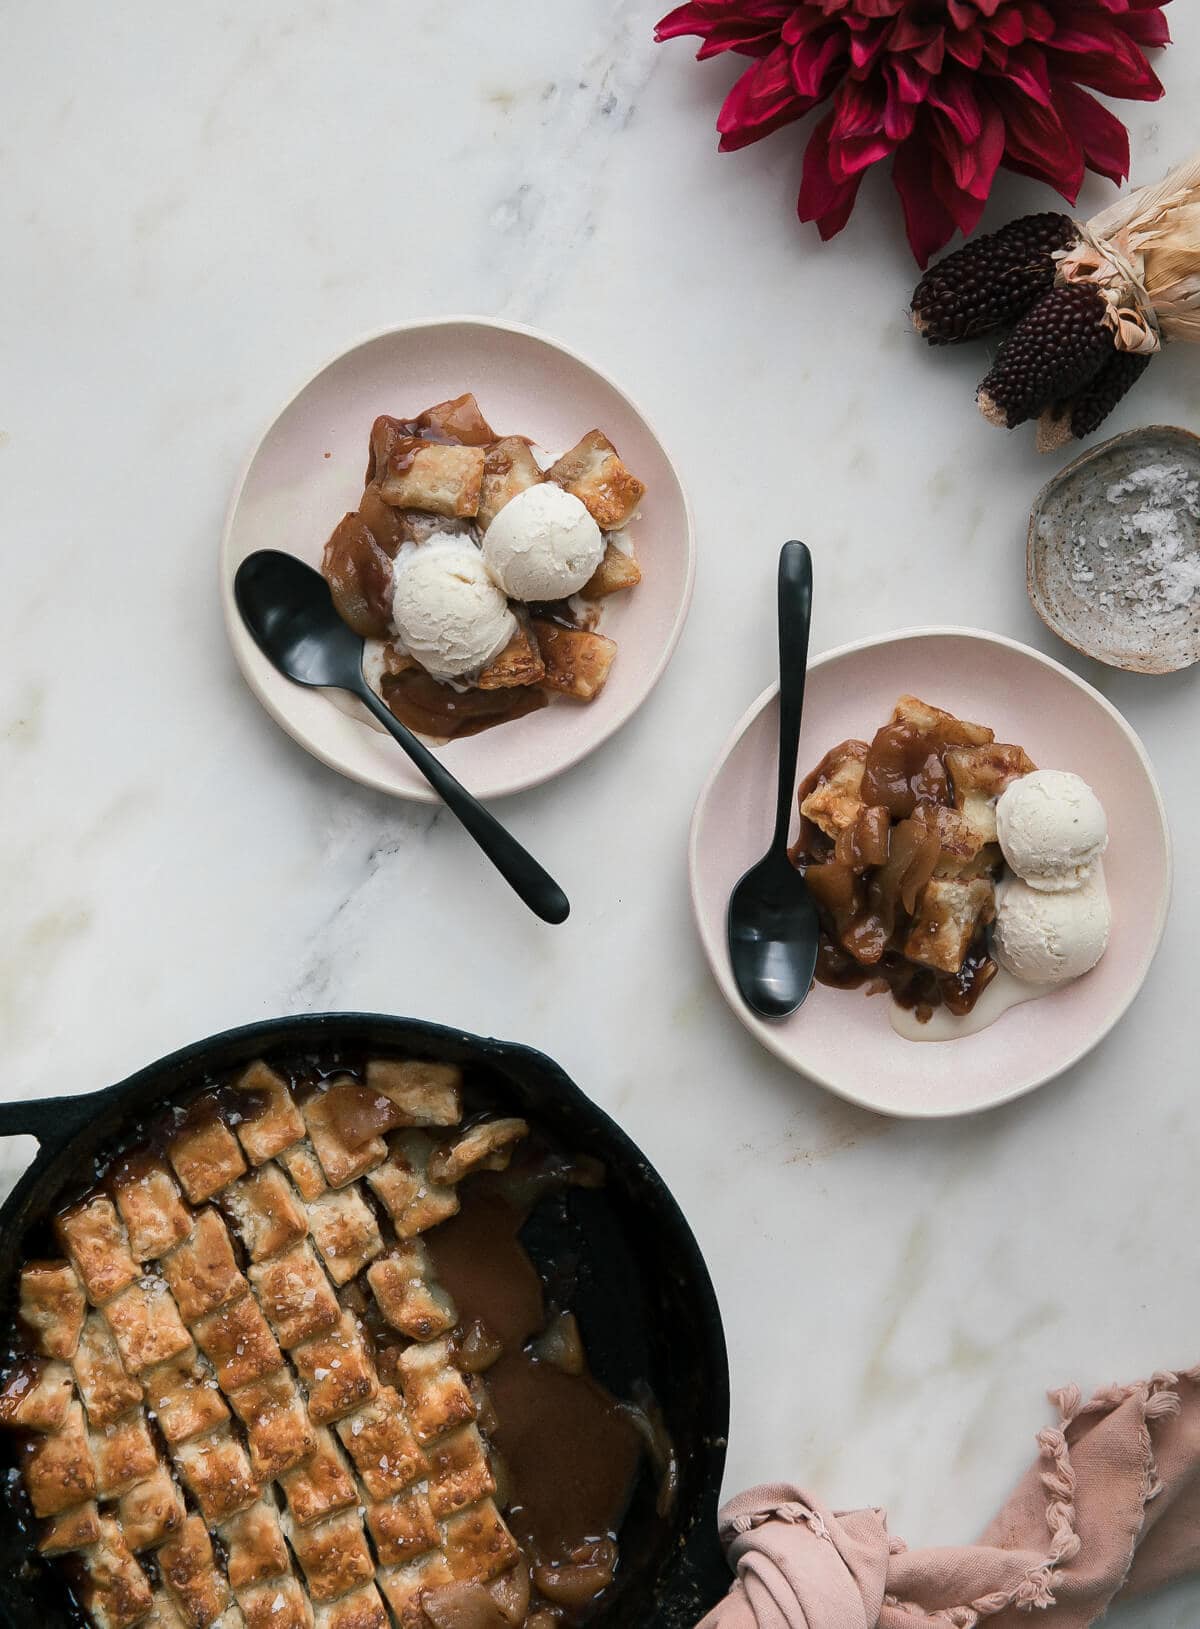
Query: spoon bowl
pixel 772 926
pixel 773 930
pixel 292 619
pixel 290 612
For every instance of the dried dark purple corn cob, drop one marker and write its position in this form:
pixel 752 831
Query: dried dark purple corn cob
pixel 992 280
pixel 1052 353
pixel 1100 395
pixel 1088 409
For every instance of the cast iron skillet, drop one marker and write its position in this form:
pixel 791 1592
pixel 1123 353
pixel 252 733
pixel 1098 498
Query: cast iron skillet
pixel 623 1254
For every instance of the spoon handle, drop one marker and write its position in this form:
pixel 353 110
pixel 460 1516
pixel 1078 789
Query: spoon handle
pixel 516 865
pixel 795 617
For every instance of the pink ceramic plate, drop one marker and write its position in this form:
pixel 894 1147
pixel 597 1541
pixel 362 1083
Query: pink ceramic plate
pixel 843 1038
pixel 308 470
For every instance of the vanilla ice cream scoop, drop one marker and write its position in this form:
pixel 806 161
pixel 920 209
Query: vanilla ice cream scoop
pixel 1052 829
pixel 447 611
pixel 543 545
pixel 1048 938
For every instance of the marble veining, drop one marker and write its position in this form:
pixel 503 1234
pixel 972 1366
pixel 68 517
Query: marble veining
pixel 203 204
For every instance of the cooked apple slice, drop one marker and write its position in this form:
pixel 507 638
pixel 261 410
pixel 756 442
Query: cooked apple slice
pixel 359 575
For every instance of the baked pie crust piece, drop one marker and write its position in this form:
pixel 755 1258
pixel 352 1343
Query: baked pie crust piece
pixel 407 1295
pixel 296 1295
pixel 267 1217
pixel 107 1390
pixel 92 1236
pixel 53 1306
pixel 58 1469
pixel 184 1397
pixel 205 1155
pixel 593 472
pixel 146 1325
pixel 320 1484
pixel 279 1433
pixel 202 1271
pixel 254 1545
pixel 337 1372
pixel 270 1122
pixel 380 1441
pixel 345 1232
pixel 427 1094
pixel 191 1576
pixel 239 1343
pixel 148 1199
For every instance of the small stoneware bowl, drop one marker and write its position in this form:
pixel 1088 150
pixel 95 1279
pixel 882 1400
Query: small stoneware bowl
pixel 1113 563
pixel 307 471
pixel 843 1039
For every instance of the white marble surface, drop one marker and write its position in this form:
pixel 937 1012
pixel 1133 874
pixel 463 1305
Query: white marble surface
pixel 200 204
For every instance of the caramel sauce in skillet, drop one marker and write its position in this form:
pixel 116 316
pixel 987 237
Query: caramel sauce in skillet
pixel 570 1450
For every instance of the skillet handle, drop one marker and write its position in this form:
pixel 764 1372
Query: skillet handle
pixel 52 1120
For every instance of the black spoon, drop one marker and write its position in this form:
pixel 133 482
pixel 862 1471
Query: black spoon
pixel 772 923
pixel 290 612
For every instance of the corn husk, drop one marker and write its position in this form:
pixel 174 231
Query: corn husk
pixel 1143 253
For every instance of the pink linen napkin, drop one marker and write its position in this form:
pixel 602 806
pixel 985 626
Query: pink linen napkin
pixel 1110 1509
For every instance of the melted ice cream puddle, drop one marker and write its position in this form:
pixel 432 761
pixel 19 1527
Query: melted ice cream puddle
pixel 1002 993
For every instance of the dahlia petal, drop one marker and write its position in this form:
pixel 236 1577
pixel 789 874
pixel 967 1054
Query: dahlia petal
pixel 822 199
pixel 899 116
pixel 955 97
pixel 928 222
pixel 1104 138
pixel 1039 23
pixel 963 209
pixel 762 96
pixel 967 47
pixel 721 40
pixel 727 25
pixel 814 63
pixel 972 166
pixel 911 82
pixel 865 49
pixel 932 56
pixel 857 109
pixel 1037 142
pixel 1147 25
pixel 1026 69
pixel 688 19
pixel 909 35
pixel 1009 28
pixel 799 24
pixel 1104 58
pixel 1150 30
pixel 857 153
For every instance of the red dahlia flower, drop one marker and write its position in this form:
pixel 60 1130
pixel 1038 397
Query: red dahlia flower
pixel 952 89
